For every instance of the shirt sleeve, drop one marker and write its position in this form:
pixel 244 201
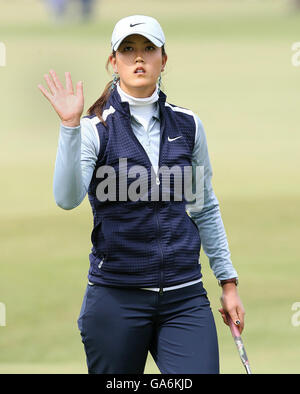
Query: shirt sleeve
pixel 205 211
pixel 76 157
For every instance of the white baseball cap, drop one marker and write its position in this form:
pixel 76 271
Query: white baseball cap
pixel 137 24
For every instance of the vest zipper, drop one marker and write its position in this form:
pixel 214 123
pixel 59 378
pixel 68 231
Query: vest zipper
pixel 162 255
pixel 162 127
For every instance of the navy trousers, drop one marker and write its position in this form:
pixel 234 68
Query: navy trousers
pixel 118 327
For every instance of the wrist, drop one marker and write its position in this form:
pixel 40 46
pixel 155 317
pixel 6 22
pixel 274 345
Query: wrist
pixel 71 123
pixel 224 282
pixel 229 285
pixel 229 288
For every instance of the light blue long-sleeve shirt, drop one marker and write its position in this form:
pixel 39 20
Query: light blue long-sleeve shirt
pixel 77 152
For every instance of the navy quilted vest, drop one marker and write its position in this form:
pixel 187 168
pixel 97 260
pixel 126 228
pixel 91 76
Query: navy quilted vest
pixel 143 243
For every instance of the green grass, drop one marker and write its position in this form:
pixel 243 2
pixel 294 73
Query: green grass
pixel 230 62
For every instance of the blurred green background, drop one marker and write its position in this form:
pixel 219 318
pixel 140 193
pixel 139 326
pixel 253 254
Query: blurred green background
pixel 230 62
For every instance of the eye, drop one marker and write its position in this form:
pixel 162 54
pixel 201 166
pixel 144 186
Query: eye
pixel 150 48
pixel 127 49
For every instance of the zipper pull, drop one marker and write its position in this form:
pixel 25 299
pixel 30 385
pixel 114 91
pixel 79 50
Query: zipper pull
pixel 100 264
pixel 160 291
pixel 157 180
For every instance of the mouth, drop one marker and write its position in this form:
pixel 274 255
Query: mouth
pixel 140 70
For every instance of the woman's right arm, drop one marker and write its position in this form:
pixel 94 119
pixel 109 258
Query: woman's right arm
pixel 76 158
pixel 78 145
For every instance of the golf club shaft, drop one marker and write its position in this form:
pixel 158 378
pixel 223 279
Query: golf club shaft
pixel 239 344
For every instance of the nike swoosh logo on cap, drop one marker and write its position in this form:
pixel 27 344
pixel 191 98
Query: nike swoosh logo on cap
pixel 172 139
pixel 132 25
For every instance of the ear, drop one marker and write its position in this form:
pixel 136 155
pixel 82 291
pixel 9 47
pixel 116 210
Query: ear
pixel 164 61
pixel 113 62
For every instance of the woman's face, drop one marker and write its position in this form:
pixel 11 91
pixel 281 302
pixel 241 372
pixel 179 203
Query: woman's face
pixel 139 63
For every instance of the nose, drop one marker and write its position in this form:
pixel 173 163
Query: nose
pixel 139 57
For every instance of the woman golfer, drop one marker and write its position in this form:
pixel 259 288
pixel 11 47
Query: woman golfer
pixel 145 290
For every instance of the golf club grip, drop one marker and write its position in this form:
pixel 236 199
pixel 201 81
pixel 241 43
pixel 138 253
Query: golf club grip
pixel 233 328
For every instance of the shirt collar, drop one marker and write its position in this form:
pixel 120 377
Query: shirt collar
pixel 136 100
pixel 156 113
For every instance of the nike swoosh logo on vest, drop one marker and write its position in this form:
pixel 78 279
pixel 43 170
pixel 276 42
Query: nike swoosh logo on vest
pixel 173 139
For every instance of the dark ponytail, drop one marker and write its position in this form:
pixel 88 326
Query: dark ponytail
pixel 98 106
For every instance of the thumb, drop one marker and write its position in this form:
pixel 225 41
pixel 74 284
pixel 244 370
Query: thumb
pixel 224 317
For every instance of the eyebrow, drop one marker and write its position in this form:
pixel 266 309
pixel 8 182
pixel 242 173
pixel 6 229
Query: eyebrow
pixel 132 42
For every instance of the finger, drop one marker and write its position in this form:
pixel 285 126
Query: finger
pixel 79 90
pixel 56 80
pixel 50 84
pixel 235 318
pixel 45 92
pixel 241 315
pixel 69 84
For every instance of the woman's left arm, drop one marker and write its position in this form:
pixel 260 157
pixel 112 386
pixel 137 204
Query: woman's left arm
pixel 206 214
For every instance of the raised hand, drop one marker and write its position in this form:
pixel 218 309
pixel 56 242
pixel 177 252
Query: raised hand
pixel 67 104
